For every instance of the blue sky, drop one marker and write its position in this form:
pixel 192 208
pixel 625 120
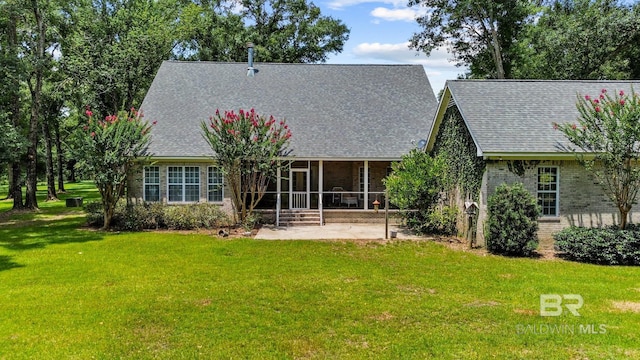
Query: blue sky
pixel 380 32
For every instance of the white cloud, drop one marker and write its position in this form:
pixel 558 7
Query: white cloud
pixel 401 53
pixel 438 66
pixel 400 14
pixel 341 4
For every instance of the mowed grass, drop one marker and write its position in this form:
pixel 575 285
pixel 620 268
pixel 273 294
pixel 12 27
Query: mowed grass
pixel 70 292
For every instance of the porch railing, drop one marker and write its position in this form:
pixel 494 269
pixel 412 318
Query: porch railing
pixel 299 200
pixel 331 200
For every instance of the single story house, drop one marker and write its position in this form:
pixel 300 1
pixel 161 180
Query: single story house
pixel 348 124
pixel 510 123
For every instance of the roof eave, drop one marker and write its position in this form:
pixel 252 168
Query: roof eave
pixel 194 159
pixel 443 105
pixel 533 156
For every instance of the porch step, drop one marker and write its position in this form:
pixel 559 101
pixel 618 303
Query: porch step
pixel 299 217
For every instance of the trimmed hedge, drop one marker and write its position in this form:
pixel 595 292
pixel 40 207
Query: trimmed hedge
pixel 512 222
pixel 159 216
pixel 606 246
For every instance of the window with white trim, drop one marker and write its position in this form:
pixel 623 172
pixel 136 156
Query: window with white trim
pixel 151 183
pixel 548 191
pixel 183 184
pixel 215 184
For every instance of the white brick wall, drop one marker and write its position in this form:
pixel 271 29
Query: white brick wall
pixel 582 201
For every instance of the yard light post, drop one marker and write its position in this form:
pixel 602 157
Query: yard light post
pixel 386 214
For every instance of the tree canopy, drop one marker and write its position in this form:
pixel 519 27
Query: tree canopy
pixel 582 39
pixel 479 34
pixel 287 31
pixel 535 39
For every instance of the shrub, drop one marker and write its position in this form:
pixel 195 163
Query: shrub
pixel 138 217
pixel 415 186
pixel 609 246
pixel 512 221
pixel 194 216
pixel 156 216
pixel 95 213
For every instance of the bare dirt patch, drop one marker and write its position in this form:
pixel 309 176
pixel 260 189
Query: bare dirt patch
pixel 627 306
pixel 385 316
pixel 479 303
pixel 525 312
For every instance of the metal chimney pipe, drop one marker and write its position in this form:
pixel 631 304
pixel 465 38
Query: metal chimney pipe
pixel 251 71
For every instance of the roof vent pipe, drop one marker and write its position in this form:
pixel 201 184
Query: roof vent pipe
pixel 251 71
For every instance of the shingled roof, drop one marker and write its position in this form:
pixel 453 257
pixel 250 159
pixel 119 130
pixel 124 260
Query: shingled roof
pixel 334 111
pixel 515 117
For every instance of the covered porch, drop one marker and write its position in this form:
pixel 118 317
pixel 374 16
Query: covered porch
pixel 328 185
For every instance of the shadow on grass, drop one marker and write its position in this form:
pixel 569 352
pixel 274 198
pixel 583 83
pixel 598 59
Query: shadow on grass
pixel 37 234
pixel 6 263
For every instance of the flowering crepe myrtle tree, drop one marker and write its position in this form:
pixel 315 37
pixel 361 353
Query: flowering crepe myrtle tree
pixel 248 147
pixel 109 149
pixel 608 133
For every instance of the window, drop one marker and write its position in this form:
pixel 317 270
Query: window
pixel 151 183
pixel 215 187
pixel 548 193
pixel 183 183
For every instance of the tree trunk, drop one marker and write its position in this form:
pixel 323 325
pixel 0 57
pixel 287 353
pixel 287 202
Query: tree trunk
pixel 623 218
pixel 31 202
pixel 10 178
pixel 51 181
pixel 71 166
pixel 109 202
pixel 497 53
pixel 60 158
pixel 16 186
pixel 15 181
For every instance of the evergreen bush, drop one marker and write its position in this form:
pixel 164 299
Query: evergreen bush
pixel 608 246
pixel 512 221
pixel 139 217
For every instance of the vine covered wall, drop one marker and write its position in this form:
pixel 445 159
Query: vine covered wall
pixel 464 167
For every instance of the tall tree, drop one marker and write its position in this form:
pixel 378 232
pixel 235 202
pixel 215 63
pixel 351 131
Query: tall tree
pixel 583 39
pixel 35 43
pixel 51 109
pixel 290 31
pixel 480 34
pixel 115 48
pixel 11 74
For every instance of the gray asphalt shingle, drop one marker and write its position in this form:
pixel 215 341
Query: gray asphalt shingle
pixel 516 116
pixel 334 111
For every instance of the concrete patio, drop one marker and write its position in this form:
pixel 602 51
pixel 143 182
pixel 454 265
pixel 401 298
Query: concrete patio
pixel 333 231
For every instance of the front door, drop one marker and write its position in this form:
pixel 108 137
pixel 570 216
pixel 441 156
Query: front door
pixel 299 189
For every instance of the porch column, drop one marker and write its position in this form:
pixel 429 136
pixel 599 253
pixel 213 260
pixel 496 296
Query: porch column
pixel 290 187
pixel 366 184
pixel 320 189
pixel 279 192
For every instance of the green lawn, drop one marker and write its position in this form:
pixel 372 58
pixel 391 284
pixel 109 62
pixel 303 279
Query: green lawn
pixel 70 292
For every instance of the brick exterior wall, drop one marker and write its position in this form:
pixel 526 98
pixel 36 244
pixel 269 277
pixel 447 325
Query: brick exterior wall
pixel 136 186
pixel 582 202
